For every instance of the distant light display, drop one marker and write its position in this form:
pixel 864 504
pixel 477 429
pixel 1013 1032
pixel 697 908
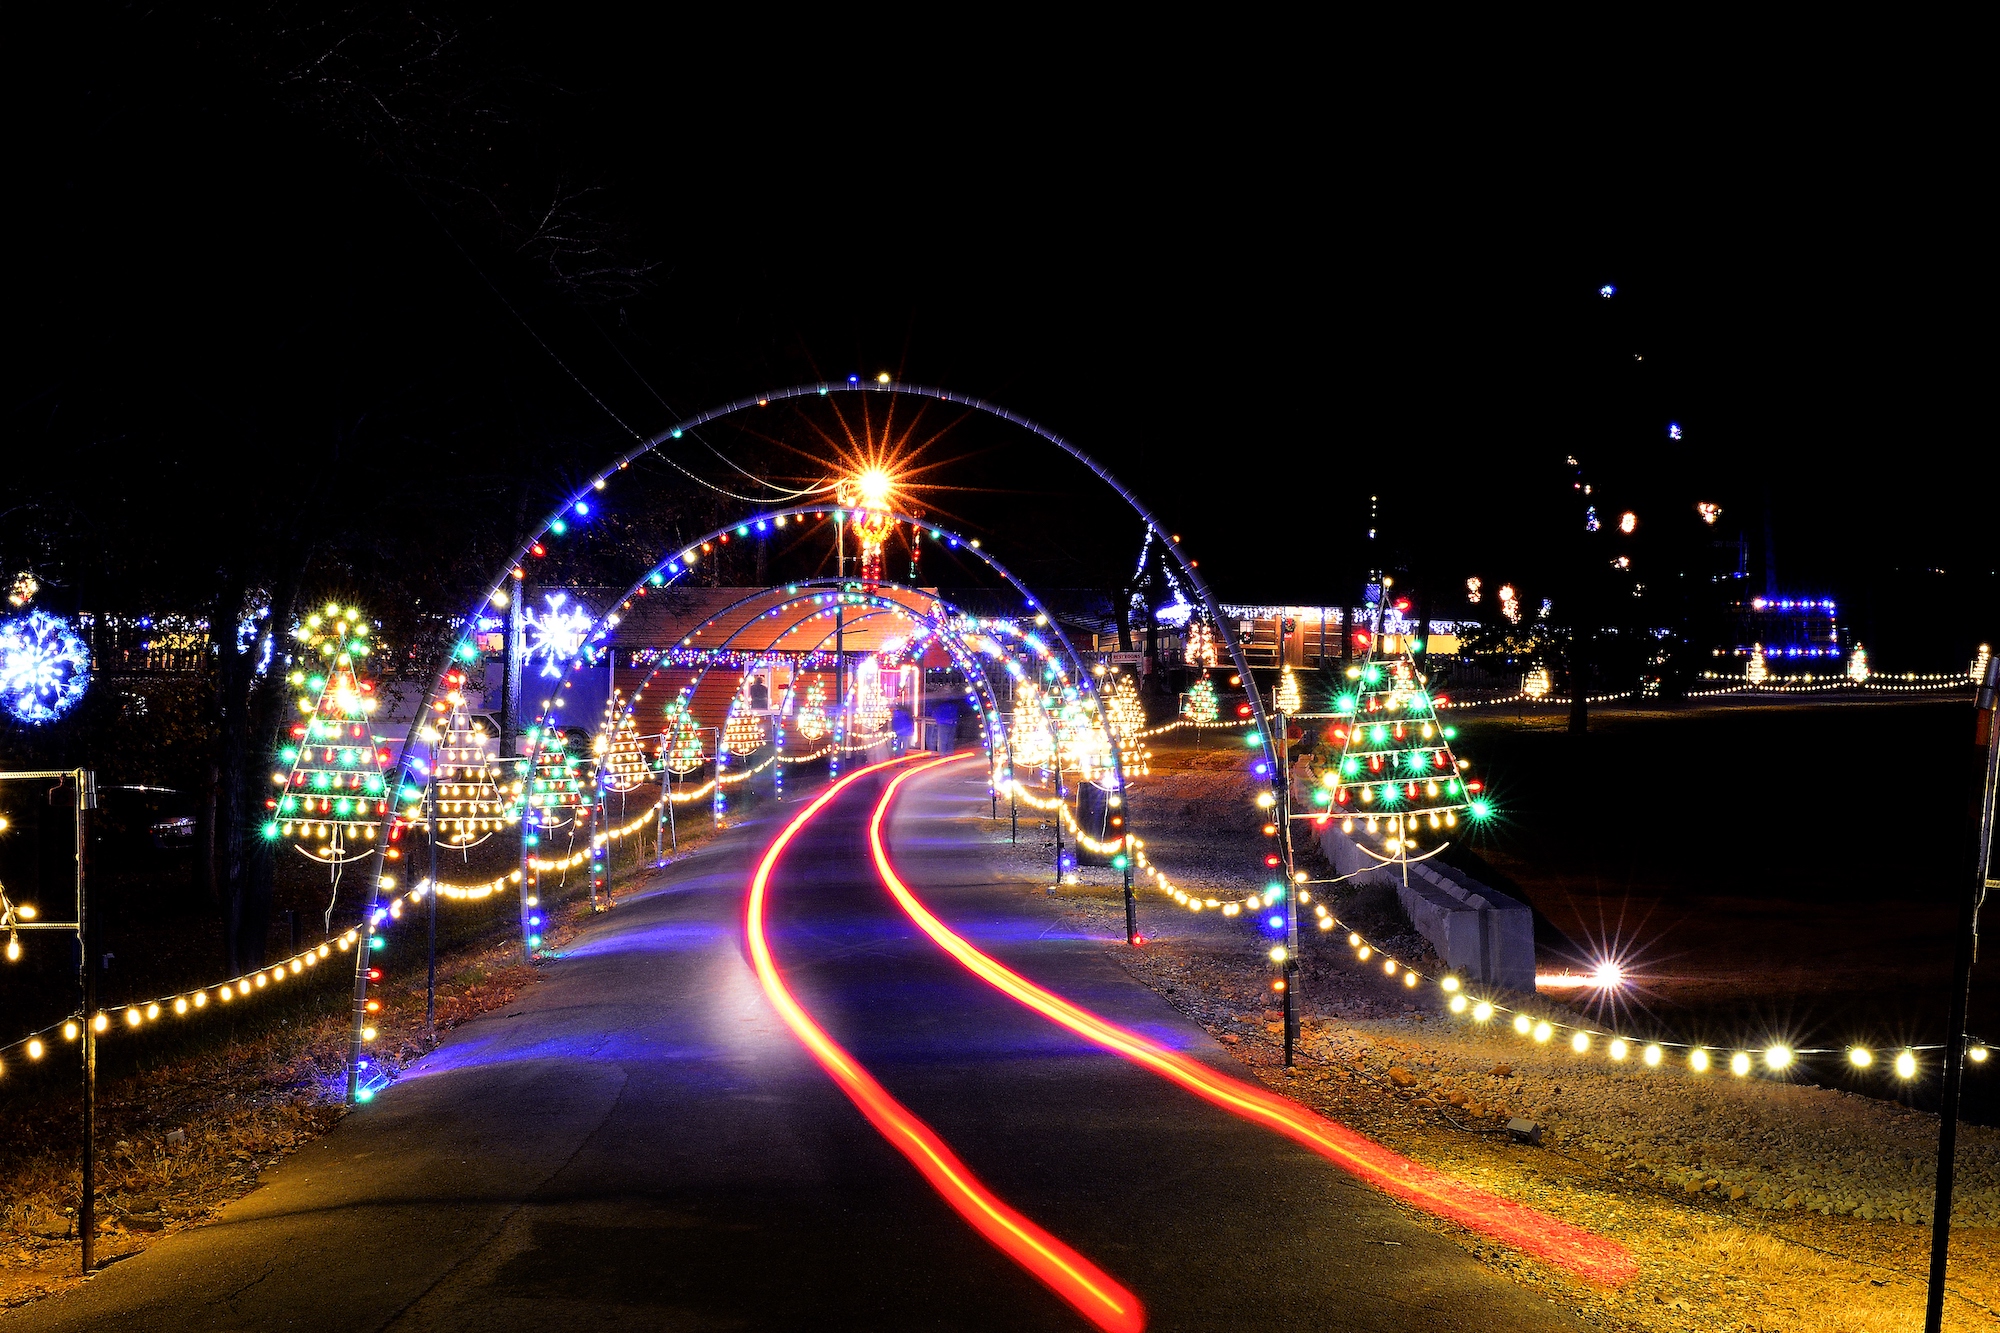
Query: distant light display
pixel 1673 430
pixel 44 667
pixel 1607 291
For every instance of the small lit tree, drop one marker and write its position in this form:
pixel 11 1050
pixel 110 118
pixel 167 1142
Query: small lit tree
pixel 332 799
pixel 1397 783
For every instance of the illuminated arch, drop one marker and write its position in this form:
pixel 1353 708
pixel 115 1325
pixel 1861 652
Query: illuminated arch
pixel 580 505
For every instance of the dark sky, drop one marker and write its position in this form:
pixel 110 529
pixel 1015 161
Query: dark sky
pixel 1259 295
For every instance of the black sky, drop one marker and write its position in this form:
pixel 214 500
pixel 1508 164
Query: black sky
pixel 1256 290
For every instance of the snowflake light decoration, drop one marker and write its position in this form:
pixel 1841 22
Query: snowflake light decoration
pixel 44 667
pixel 556 634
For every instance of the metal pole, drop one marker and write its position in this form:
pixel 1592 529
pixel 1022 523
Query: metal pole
pixel 1013 804
pixel 528 896
pixel 86 1209
pixel 1059 809
pixel 431 970
pixel 673 832
pixel 1282 781
pixel 1986 754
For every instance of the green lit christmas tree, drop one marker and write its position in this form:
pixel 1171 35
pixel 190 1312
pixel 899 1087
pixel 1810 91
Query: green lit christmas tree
pixel 332 799
pixel 555 788
pixel 1198 704
pixel 1396 786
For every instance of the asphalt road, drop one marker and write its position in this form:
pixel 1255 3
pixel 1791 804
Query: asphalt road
pixel 641 1143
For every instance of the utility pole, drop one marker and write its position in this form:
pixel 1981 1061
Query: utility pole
pixel 1984 771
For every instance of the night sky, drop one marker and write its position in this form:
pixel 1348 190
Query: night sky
pixel 241 266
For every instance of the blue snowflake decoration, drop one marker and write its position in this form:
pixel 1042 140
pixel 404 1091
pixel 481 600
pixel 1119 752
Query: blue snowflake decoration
pixel 44 667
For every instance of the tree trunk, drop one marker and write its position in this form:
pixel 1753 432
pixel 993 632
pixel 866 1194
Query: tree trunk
pixel 249 739
pixel 1125 621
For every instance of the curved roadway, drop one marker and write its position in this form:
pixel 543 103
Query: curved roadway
pixel 642 1143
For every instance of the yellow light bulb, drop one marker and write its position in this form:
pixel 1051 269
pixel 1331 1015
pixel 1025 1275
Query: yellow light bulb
pixel 1543 1032
pixel 1619 1048
pixel 1481 1012
pixel 1698 1061
pixel 1523 1024
pixel 1580 1042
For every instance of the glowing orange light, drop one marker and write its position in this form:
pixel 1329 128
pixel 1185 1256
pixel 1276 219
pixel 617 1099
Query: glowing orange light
pixel 1094 1293
pixel 1584 1253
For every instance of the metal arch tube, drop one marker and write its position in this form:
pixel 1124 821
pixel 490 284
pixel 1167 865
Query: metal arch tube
pixel 799 391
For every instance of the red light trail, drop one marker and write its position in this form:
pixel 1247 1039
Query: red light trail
pixel 1588 1255
pixel 1094 1293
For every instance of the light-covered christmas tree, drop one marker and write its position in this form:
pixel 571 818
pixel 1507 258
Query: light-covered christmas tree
pixel 1287 697
pixel 1199 703
pixel 743 732
pixel 621 764
pixel 680 743
pixel 556 787
pixel 1397 785
pixel 332 798
pixel 1126 716
pixel 810 721
pixel 471 806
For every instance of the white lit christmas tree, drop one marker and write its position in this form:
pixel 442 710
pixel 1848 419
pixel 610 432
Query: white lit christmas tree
pixel 810 722
pixel 621 764
pixel 1287 697
pixel 743 732
pixel 471 806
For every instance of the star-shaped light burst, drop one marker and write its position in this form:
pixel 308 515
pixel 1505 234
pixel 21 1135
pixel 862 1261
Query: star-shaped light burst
pixel 556 634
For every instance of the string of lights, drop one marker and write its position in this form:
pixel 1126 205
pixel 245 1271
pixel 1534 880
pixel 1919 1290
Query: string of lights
pixel 140 1013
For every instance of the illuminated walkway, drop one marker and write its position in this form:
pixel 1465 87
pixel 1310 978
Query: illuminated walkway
pixel 642 1139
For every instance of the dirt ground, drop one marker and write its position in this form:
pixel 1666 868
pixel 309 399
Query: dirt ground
pixel 1750 1204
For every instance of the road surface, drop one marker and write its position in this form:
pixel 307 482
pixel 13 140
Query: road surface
pixel 641 1142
